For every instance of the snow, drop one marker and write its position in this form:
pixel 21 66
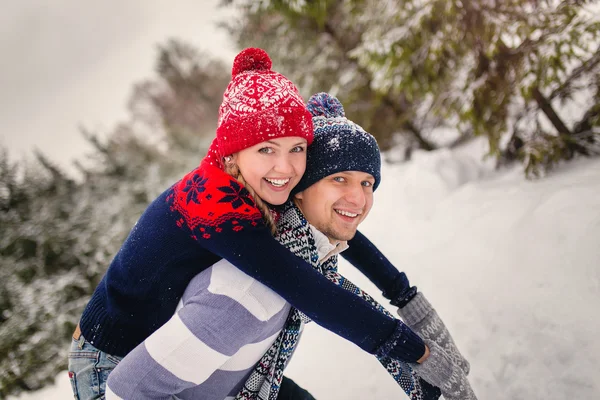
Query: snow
pixel 511 266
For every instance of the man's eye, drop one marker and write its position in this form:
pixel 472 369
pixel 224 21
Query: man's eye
pixel 339 179
pixel 265 150
pixel 297 149
pixel 367 184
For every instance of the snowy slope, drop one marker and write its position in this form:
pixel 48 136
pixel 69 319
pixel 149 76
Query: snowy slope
pixel 512 266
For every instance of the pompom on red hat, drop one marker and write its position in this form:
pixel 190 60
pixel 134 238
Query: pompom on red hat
pixel 259 104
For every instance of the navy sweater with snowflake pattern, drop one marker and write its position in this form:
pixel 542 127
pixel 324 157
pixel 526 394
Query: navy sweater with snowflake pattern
pixel 202 218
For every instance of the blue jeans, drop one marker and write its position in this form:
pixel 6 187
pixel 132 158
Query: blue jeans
pixel 89 369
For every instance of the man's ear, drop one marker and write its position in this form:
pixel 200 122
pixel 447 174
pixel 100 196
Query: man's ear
pixel 299 196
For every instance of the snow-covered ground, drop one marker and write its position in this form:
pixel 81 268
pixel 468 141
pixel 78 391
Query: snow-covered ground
pixel 512 266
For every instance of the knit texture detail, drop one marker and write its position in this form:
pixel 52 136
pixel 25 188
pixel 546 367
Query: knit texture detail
pixel 404 344
pixel 259 104
pixel 403 296
pixel 419 309
pixel 210 206
pixel 339 144
pixel 420 315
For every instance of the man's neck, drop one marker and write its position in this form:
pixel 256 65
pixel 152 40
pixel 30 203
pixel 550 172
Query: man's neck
pixel 332 248
pixel 298 205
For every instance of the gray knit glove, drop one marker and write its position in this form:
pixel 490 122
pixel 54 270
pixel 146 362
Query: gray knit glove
pixel 439 370
pixel 422 318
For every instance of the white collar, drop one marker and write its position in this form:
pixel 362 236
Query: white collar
pixel 324 247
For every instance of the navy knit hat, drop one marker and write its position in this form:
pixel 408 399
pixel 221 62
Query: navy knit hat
pixel 339 144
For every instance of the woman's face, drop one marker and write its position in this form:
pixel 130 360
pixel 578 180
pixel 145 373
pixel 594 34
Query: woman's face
pixel 272 168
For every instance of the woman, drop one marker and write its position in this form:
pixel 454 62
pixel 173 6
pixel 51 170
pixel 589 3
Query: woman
pixel 232 337
pixel 209 215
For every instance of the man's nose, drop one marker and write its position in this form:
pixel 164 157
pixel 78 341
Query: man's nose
pixel 355 195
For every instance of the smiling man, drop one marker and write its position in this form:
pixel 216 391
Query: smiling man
pixel 343 167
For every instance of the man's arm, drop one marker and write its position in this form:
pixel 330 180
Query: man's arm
pixel 367 258
pixel 414 308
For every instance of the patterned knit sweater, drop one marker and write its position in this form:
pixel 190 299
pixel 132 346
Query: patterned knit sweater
pixel 202 218
pixel 225 323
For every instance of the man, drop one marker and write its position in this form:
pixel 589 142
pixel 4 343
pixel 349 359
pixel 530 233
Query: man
pixel 335 195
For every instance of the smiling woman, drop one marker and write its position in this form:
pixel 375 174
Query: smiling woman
pixel 272 168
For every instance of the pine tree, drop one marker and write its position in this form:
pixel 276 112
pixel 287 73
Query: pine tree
pixel 58 235
pixel 523 74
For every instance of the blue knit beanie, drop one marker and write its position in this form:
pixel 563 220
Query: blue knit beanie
pixel 339 144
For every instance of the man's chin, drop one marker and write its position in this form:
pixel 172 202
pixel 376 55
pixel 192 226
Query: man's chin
pixel 343 236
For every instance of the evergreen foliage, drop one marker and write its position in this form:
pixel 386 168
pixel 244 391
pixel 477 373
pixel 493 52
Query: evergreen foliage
pixel 419 74
pixel 58 234
pixel 523 74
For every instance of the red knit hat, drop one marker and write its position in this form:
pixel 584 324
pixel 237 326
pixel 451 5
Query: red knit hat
pixel 259 104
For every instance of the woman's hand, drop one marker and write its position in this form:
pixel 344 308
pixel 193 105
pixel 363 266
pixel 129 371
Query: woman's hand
pixel 422 318
pixel 425 355
pixel 439 370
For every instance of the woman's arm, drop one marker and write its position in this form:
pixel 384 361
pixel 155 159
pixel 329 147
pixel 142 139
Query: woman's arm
pixel 255 252
pixel 221 216
pixel 367 258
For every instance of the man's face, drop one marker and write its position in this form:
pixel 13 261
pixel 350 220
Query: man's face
pixel 338 203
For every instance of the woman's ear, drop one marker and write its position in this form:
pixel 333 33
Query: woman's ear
pixel 231 159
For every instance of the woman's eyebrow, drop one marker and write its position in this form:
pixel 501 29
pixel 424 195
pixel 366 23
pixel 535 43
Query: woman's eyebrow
pixel 278 145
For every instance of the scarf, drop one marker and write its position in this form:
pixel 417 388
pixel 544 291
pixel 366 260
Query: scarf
pixel 264 381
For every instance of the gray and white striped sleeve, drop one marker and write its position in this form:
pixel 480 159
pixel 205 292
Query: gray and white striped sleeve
pixel 209 345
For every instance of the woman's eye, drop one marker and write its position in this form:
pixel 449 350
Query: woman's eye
pixel 265 150
pixel 297 149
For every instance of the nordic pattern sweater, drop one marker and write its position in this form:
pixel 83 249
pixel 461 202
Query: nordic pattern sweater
pixel 205 217
pixel 226 321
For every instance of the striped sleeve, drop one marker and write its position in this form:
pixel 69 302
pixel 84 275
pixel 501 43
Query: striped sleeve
pixel 208 346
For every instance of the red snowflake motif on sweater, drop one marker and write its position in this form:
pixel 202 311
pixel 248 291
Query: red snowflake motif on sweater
pixel 209 201
pixel 194 187
pixel 236 195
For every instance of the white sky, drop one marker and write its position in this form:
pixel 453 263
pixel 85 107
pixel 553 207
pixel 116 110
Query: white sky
pixel 67 63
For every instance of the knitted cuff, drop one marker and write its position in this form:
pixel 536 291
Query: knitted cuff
pixel 400 292
pixel 415 310
pixel 403 345
pixel 405 297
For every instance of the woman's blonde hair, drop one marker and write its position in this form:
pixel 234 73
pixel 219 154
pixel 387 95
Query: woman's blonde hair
pixel 234 170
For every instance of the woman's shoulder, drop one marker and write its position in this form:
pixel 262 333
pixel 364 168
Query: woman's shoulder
pixel 210 201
